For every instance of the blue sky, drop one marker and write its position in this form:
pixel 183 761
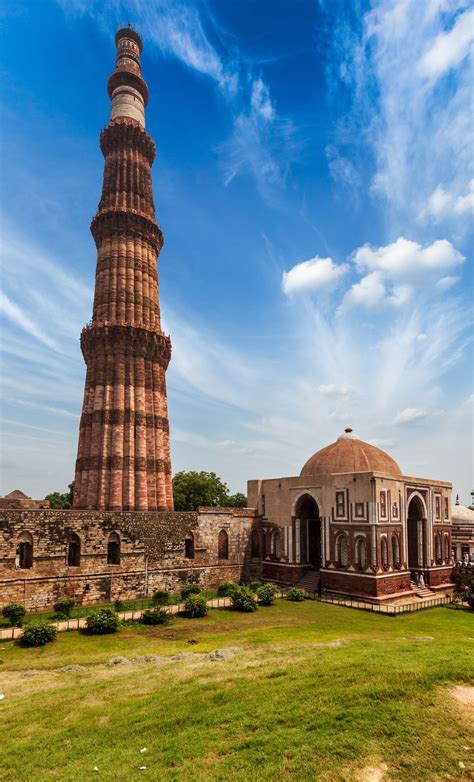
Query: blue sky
pixel 315 185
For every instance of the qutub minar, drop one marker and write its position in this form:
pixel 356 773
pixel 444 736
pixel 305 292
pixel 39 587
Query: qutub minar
pixel 351 520
pixel 123 460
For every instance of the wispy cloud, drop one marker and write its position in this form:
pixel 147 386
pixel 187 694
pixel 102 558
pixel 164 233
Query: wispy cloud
pixel 261 143
pixel 409 415
pixel 408 67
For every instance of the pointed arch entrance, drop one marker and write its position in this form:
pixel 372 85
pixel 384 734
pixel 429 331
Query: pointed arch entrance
pixel 307 512
pixel 416 533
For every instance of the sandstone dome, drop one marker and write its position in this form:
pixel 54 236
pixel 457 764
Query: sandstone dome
pixel 349 454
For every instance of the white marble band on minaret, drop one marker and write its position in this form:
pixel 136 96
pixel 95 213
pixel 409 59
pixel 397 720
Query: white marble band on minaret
pixel 127 89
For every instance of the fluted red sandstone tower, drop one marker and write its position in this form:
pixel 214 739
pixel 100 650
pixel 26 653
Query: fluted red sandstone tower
pixel 123 460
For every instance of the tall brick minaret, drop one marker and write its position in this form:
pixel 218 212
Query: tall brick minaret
pixel 123 460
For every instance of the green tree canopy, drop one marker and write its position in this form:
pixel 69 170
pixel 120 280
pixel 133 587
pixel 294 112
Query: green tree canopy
pixel 194 489
pixel 60 501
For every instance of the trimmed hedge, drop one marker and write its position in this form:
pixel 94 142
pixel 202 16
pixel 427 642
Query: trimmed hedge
pixel 102 621
pixel 160 597
pixel 15 613
pixel 254 585
pixel 63 607
pixel 243 599
pixel 295 594
pixel 155 616
pixel 226 588
pixel 195 606
pixel 38 634
pixel 267 594
pixel 190 589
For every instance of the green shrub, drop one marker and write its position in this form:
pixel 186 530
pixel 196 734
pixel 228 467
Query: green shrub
pixel 119 605
pixel 155 616
pixel 190 589
pixel 38 634
pixel 102 621
pixel 254 585
pixel 63 607
pixel 14 612
pixel 195 605
pixel 243 599
pixel 295 594
pixel 226 588
pixel 160 597
pixel 267 594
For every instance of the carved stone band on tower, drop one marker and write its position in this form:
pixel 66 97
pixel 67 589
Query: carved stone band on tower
pixel 123 460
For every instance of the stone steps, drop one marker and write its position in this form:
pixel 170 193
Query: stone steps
pixel 421 592
pixel 309 582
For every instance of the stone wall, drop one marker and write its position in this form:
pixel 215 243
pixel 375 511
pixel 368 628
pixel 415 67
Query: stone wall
pixel 152 553
pixel 370 586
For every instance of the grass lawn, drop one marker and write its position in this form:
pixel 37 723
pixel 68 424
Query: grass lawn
pixel 286 707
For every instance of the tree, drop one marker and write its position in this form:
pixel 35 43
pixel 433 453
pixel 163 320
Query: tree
pixel 60 501
pixel 237 500
pixel 192 489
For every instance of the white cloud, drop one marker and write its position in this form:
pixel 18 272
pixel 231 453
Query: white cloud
pixel 261 143
pixel 409 415
pixel 19 318
pixel 312 275
pixel 448 48
pixel 369 292
pixel 341 168
pixel 403 112
pixel 465 204
pixel 260 100
pixel 446 282
pixel 405 259
pixel 438 202
pixel 333 390
pixel 442 204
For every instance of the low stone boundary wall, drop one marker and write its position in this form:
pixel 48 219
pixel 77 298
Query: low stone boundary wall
pixel 79 623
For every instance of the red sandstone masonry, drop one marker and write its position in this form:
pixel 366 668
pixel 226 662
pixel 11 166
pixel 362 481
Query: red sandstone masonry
pixel 123 459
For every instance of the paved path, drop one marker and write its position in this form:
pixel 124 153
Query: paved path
pixel 6 634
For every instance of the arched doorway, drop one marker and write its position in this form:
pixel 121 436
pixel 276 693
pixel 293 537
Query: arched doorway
pixel 416 534
pixel 307 512
pixel 25 551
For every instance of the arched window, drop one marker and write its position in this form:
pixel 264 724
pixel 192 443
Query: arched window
pixel 189 546
pixel 73 550
pixel 438 548
pixel 384 552
pixel 25 551
pixel 223 545
pixel 395 551
pixel 342 551
pixel 255 544
pixel 446 548
pixel 361 553
pixel 113 549
pixel 264 544
pixel 276 544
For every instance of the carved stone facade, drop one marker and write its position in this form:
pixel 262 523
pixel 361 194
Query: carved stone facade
pixel 97 557
pixel 123 460
pixel 354 519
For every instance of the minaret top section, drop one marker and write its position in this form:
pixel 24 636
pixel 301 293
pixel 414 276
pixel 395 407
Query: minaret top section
pixel 127 88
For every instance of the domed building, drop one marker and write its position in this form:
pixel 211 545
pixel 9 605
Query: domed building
pixel 463 531
pixel 353 522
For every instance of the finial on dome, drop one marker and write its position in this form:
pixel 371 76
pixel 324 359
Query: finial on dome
pixel 457 499
pixel 348 434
